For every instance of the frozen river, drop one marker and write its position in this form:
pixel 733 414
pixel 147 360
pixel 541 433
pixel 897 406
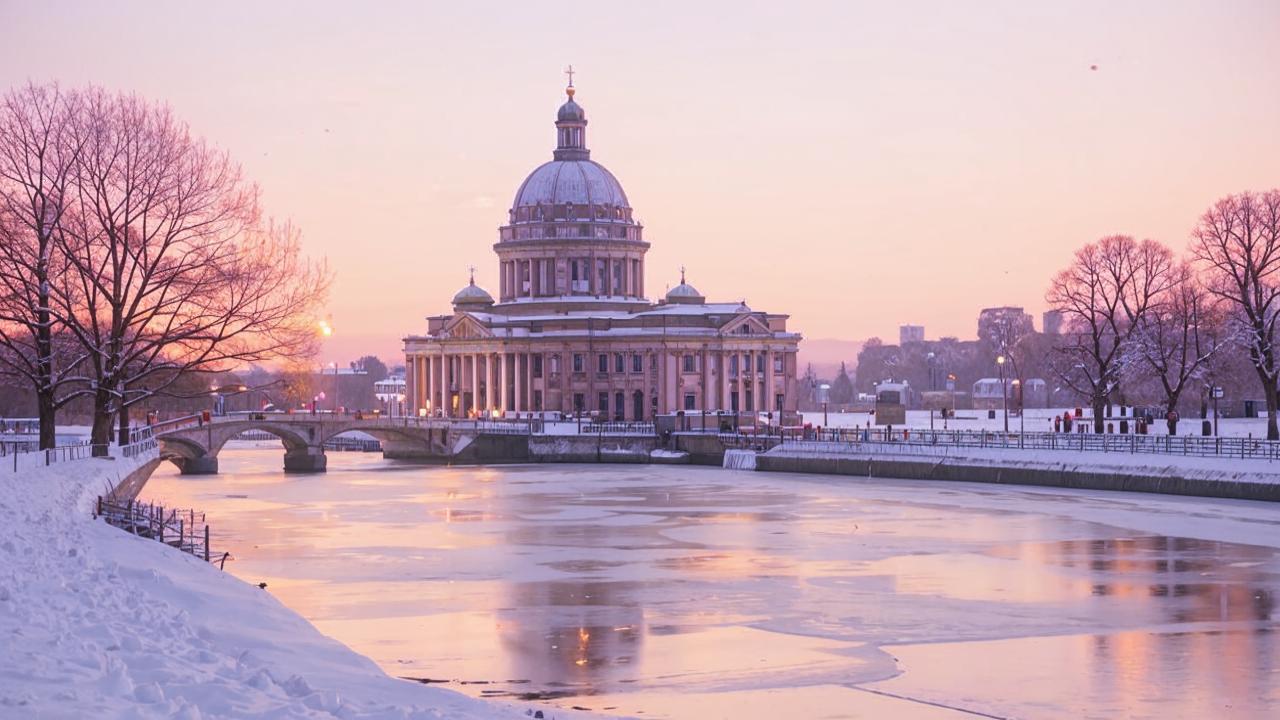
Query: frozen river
pixel 678 592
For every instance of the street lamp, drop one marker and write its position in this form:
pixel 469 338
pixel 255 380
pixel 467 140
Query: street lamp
pixel 1004 392
pixel 1018 391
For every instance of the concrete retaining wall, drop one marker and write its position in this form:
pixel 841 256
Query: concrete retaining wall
pixel 703 449
pixel 1047 476
pixel 590 448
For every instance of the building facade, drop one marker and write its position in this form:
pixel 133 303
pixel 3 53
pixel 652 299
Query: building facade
pixel 910 334
pixel 573 331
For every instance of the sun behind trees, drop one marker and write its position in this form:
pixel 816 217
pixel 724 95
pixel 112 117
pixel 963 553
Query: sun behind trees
pixel 140 255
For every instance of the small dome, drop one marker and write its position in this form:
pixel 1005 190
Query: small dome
pixel 685 293
pixel 472 294
pixel 571 112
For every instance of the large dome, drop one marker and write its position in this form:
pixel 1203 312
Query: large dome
pixel 580 182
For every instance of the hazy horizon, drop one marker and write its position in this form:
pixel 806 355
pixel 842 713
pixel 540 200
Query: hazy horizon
pixel 857 166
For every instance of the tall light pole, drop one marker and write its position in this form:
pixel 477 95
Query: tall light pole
pixel 1004 392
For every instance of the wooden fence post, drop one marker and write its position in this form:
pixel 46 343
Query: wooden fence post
pixel 206 543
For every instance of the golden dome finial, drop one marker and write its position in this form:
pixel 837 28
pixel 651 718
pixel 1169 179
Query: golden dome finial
pixel 569 90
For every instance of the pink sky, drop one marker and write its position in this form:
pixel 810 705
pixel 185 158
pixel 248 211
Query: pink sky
pixel 857 165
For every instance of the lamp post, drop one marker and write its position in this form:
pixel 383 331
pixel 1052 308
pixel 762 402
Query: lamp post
pixel 1004 392
pixel 1018 390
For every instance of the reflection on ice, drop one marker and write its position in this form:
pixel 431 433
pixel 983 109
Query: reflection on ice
pixel 682 592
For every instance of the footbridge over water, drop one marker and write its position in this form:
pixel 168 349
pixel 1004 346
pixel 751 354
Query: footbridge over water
pixel 193 443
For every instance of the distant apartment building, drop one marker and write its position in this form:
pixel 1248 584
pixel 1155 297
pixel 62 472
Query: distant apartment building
pixel 1052 322
pixel 910 334
pixel 1003 326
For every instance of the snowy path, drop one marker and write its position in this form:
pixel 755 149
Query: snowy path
pixel 98 623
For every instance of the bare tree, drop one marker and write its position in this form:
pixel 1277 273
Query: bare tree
pixel 1105 292
pixel 1237 241
pixel 39 147
pixel 1174 342
pixel 173 271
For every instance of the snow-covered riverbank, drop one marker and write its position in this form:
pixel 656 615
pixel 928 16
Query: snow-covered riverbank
pixel 98 623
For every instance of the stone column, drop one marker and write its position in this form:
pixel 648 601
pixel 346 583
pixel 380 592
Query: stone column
pixel 648 386
pixel 519 379
pixel 502 380
pixel 725 390
pixel 771 405
pixel 528 386
pixel 475 383
pixel 411 384
pixel 489 385
pixel 426 383
pixel 705 391
pixel 444 383
pixel 447 401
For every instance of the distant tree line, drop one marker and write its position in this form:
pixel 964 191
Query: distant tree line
pixel 1140 324
pixel 134 259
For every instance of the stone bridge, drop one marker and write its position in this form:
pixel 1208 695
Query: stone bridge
pixel 193 444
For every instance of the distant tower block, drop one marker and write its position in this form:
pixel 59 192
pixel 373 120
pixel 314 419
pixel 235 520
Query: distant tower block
pixel 910 334
pixel 1052 322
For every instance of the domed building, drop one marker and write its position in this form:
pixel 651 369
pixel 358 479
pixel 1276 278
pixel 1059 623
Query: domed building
pixel 573 331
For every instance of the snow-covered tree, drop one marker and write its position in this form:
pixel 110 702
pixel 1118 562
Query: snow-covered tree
pixel 1174 342
pixel 171 268
pixel 1237 243
pixel 39 146
pixel 1103 294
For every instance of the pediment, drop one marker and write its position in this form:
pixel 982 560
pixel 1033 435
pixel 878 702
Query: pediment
pixel 466 327
pixel 745 324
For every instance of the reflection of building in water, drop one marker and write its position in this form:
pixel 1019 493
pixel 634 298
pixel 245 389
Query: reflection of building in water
pixel 578 636
pixel 1185 581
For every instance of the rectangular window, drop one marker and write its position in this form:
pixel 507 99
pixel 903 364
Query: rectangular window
pixel 637 362
pixel 604 405
pixel 602 363
pixel 537 400
pixel 578 362
pixel 619 363
pixel 619 405
pixel 579 402
pixel 777 363
pixel 537 366
pixel 690 364
pixel 617 277
pixel 733 365
pixel 602 278
pixel 777 402
pixel 746 359
pixel 690 401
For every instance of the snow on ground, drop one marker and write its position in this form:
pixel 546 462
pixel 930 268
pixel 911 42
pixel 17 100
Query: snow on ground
pixel 1156 464
pixel 95 622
